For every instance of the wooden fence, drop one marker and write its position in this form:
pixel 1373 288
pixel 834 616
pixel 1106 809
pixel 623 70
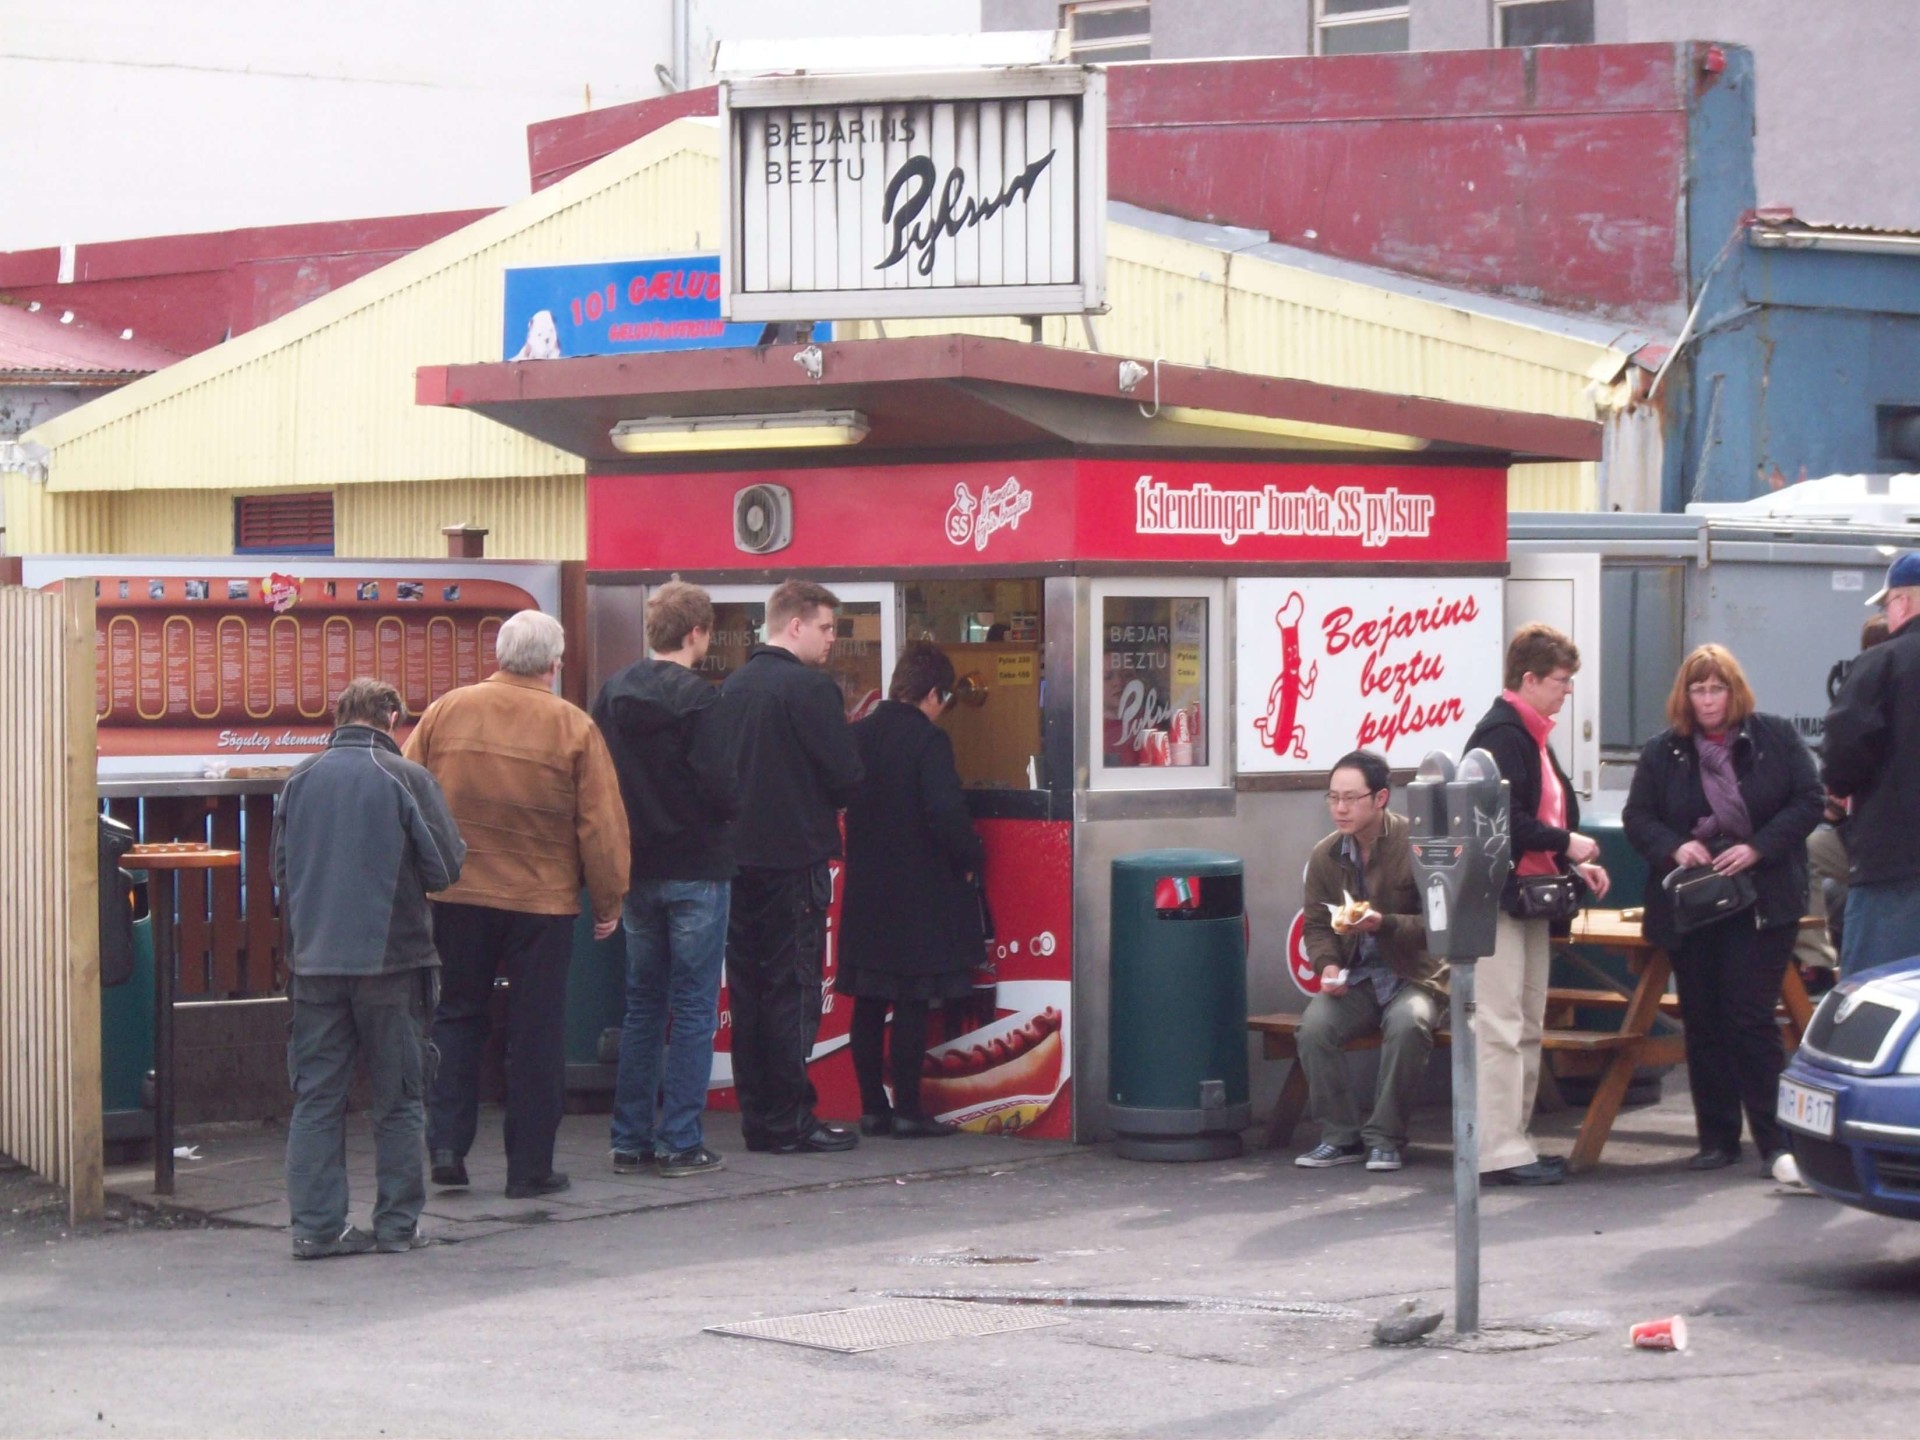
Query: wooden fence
pixel 49 892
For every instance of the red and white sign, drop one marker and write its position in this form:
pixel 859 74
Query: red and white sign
pixel 1399 666
pixel 1299 963
pixel 1044 511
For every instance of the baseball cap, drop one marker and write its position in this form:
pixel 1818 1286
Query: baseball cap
pixel 1903 572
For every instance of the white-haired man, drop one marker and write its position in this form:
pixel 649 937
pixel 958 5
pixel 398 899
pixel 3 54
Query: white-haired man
pixel 530 782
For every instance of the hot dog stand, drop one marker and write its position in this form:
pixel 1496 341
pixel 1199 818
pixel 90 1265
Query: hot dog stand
pixel 1175 595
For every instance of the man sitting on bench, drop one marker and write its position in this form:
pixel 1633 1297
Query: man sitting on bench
pixel 1367 940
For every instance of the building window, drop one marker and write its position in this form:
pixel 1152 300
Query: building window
pixel 1358 27
pixel 1158 688
pixel 283 524
pixel 1543 22
pixel 1103 30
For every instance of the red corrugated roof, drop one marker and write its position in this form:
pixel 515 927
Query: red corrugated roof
pixel 33 344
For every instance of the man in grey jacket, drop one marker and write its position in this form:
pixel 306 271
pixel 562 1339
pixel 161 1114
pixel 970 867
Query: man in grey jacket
pixel 361 836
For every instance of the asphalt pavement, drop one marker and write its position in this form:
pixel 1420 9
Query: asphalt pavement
pixel 1234 1298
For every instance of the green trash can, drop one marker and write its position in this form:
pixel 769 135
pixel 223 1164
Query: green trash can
pixel 596 1006
pixel 1177 1032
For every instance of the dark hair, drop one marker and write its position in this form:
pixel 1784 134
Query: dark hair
pixel 922 667
pixel 369 702
pixel 1539 650
pixel 1372 766
pixel 1709 662
pixel 1874 631
pixel 796 600
pixel 674 612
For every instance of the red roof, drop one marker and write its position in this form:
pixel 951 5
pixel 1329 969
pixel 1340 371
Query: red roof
pixel 34 345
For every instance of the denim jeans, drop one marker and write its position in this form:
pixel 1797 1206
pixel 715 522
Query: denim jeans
pixel 384 1018
pixel 676 939
pixel 1882 925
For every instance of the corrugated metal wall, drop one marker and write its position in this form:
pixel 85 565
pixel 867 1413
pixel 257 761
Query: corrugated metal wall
pixel 101 522
pixel 541 518
pixel 325 396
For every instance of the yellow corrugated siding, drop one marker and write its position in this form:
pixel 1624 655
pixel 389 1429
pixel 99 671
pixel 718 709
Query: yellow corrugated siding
pixel 1574 487
pixel 185 522
pixel 324 396
pixel 1186 303
pixel 539 518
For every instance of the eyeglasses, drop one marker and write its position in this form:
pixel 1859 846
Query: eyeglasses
pixel 946 697
pixel 1338 801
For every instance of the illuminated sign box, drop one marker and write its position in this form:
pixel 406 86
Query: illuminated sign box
pixel 864 197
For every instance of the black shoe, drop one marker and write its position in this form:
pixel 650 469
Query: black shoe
pixel 760 1144
pixel 697 1161
pixel 1715 1157
pixel 1540 1172
pixel 632 1162
pixel 877 1124
pixel 552 1183
pixel 921 1127
pixel 820 1140
pixel 449 1170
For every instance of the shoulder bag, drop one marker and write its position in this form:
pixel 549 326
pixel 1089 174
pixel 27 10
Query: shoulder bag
pixel 1700 895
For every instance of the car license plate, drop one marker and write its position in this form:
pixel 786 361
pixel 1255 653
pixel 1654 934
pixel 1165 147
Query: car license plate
pixel 1805 1108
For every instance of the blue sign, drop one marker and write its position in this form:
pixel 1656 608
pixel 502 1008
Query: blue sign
pixel 618 307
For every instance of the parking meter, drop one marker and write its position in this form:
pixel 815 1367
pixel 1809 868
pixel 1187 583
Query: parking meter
pixel 1462 851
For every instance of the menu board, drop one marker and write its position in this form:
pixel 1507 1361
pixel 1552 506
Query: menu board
pixel 243 670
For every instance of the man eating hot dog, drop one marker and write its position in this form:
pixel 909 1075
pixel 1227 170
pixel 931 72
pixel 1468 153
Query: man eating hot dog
pixel 1368 943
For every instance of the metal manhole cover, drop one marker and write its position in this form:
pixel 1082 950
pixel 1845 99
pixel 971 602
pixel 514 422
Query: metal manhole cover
pixel 898 1322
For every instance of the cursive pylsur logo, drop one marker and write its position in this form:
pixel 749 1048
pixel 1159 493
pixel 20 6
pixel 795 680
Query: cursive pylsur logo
pixel 998 507
pixel 910 192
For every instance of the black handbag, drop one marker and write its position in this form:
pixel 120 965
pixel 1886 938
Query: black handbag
pixel 1700 895
pixel 1543 897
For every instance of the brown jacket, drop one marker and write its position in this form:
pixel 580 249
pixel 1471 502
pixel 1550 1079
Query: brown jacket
pixel 530 783
pixel 1390 890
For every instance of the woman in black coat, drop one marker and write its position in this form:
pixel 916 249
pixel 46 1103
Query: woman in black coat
pixel 910 926
pixel 1727 786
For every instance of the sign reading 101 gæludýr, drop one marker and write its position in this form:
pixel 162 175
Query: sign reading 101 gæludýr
pixel 881 197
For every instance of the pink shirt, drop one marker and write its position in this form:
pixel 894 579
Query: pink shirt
pixel 1553 798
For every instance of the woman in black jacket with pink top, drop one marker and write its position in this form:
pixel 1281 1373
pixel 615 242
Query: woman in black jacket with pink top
pixel 1727 786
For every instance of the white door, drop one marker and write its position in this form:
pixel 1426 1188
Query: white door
pixel 1564 591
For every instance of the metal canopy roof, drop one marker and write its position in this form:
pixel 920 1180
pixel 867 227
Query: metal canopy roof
pixel 972 394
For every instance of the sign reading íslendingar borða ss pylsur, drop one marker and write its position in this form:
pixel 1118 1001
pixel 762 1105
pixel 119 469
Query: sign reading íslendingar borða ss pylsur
pixel 881 197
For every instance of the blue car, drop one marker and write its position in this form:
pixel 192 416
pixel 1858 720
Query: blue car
pixel 1850 1099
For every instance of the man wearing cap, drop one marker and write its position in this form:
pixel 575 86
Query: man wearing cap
pixel 1870 755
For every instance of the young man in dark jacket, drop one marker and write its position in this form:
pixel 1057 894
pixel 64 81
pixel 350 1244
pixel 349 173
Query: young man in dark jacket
pixel 797 766
pixel 360 838
pixel 661 723
pixel 1512 982
pixel 1870 755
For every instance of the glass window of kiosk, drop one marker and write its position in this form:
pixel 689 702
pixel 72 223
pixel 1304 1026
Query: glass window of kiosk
pixel 991 630
pixel 1157 685
pixel 863 653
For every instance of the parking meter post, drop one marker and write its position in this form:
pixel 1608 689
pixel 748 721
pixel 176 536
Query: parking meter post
pixel 1466 1155
pixel 1459 827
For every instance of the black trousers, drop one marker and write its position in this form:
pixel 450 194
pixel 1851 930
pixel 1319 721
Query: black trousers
pixel 776 948
pixel 476 944
pixel 1729 978
pixel 869 1043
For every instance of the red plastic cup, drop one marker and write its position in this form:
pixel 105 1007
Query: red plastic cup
pixel 1669 1333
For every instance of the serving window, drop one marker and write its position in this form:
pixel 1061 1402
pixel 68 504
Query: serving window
pixel 1157 685
pixel 863 652
pixel 991 630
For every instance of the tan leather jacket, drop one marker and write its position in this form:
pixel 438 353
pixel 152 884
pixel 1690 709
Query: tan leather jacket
pixel 530 783
pixel 1390 890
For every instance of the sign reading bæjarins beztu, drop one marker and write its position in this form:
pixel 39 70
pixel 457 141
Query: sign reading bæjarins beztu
pixel 879 197
pixel 1325 666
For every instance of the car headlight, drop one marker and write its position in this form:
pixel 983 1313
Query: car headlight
pixel 1910 1062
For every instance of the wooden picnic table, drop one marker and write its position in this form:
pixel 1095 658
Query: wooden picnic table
pixel 1627 1046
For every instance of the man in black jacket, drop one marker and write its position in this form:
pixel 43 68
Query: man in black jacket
pixel 661 723
pixel 1870 755
pixel 797 765
pixel 1512 983
pixel 361 836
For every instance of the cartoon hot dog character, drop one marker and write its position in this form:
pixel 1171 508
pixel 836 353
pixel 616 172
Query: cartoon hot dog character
pixel 997 1079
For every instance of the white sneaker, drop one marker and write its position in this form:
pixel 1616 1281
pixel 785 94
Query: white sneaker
pixel 1787 1170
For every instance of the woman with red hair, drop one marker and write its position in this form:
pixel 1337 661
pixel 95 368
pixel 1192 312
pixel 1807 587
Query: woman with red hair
pixel 1729 787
